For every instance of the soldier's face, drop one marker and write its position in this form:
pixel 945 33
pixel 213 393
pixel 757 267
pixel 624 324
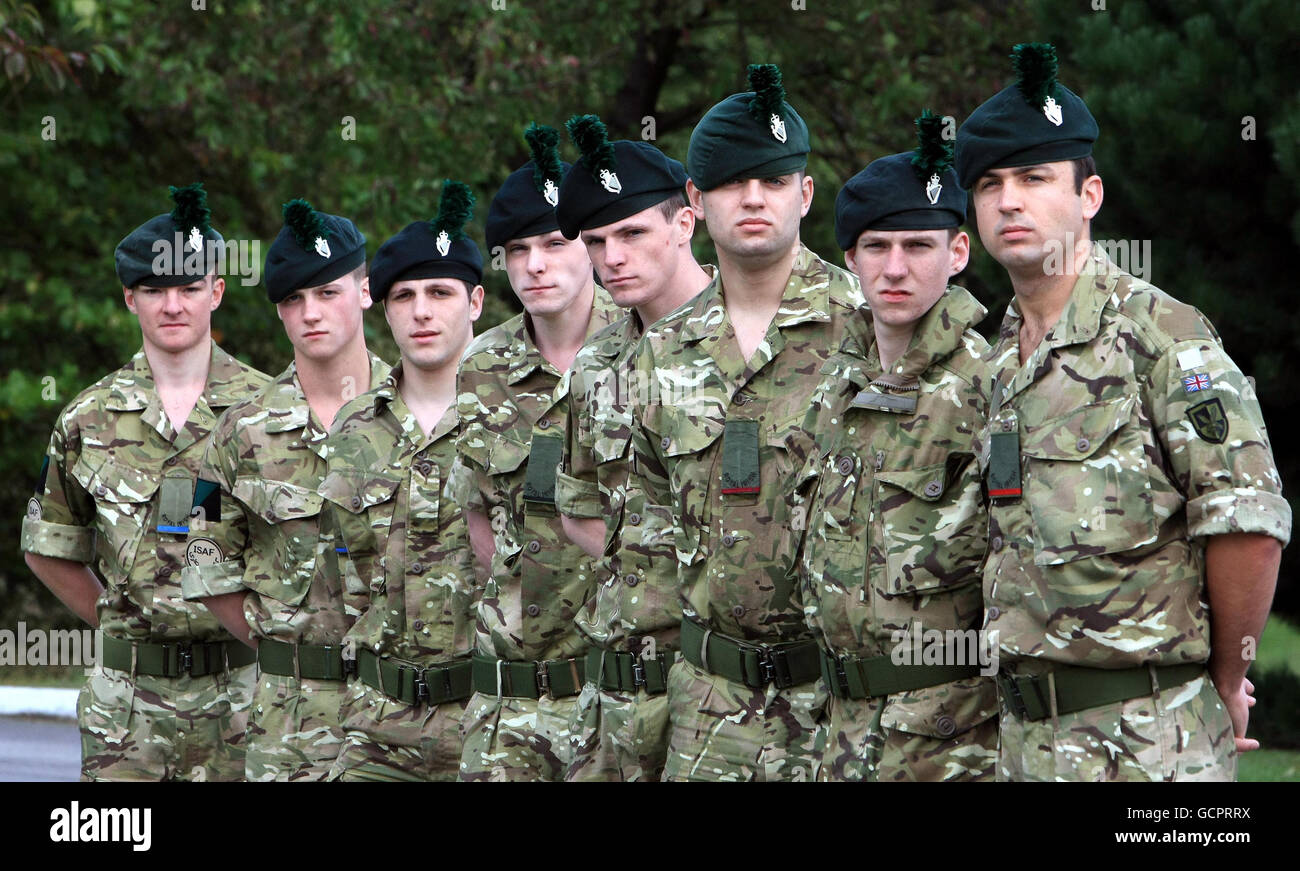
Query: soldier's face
pixel 432 320
pixel 175 319
pixel 755 218
pixel 637 258
pixel 548 272
pixel 1027 214
pixel 904 272
pixel 321 321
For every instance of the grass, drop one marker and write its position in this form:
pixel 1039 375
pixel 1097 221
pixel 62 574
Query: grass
pixel 1279 646
pixel 1269 765
pixel 42 676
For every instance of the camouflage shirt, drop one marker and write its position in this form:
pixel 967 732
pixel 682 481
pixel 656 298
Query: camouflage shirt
pixel 267 460
pixel 637 593
pixel 721 439
pixel 896 523
pixel 408 543
pixel 513 407
pixel 114 468
pixel 1138 437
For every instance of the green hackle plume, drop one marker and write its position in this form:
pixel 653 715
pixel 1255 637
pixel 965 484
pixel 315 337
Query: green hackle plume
pixel 589 134
pixel 190 208
pixel 304 223
pixel 769 93
pixel 544 143
pixel 455 208
pixel 933 155
pixel 1035 65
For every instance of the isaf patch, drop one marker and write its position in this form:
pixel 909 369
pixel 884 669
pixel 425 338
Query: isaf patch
pixel 202 552
pixel 1209 420
pixel 33 509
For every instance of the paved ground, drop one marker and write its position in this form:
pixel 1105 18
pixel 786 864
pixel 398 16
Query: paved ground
pixel 34 748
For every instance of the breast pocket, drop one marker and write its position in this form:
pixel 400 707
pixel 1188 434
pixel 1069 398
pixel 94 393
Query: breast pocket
pixel 293 512
pixel 367 501
pixel 122 495
pixel 1087 481
pixel 933 526
pixel 685 442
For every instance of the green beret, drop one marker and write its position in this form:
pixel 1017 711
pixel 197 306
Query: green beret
pixel 612 180
pixel 1036 120
pixel 915 190
pixel 525 204
pixel 172 249
pixel 756 134
pixel 431 249
pixel 312 249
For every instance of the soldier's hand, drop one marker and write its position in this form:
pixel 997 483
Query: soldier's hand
pixel 1239 701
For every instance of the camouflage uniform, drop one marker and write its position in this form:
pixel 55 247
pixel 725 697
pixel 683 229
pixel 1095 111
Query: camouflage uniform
pixel 737 572
pixel 896 536
pixel 113 462
pixel 619 734
pixel 513 407
pixel 1138 437
pixel 409 547
pixel 267 460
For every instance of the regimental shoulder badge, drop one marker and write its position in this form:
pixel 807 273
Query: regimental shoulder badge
pixel 778 128
pixel 322 247
pixel 933 189
pixel 1209 420
pixel 196 239
pixel 551 193
pixel 443 243
pixel 1053 111
pixel 609 181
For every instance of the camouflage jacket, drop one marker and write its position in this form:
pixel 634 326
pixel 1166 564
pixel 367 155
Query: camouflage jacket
pixel 721 440
pixel 513 407
pixel 1138 437
pixel 407 542
pixel 111 490
pixel 260 507
pixel 896 522
pixel 636 594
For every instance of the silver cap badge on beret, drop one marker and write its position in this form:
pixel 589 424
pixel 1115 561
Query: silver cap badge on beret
pixel 443 243
pixel 609 181
pixel 322 247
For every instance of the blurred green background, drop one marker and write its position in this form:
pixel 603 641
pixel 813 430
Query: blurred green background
pixel 104 104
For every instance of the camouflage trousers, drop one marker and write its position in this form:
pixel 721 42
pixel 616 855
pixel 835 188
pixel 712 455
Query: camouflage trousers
pixel 516 739
pixel 164 728
pixel 722 730
pixel 388 740
pixel 943 733
pixel 1180 733
pixel 618 735
pixel 293 728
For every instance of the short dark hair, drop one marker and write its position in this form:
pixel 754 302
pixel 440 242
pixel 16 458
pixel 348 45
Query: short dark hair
pixel 1084 169
pixel 671 206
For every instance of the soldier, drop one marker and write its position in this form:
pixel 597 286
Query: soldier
pixel 169 700
pixel 408 544
pixel 512 399
pixel 254 558
pixel 895 533
pixel 625 199
pixel 729 378
pixel 1129 471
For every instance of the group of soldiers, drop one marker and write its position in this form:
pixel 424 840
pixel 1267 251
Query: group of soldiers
pixel 688 522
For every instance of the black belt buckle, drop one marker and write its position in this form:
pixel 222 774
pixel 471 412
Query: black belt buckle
pixel 638 672
pixel 842 675
pixel 351 667
pixel 774 668
pixel 1015 699
pixel 184 659
pixel 421 686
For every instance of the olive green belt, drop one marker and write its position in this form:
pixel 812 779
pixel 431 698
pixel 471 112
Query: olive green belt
pixel 754 665
pixel 1078 688
pixel 314 661
pixel 528 678
pixel 434 684
pixel 864 677
pixel 173 659
pixel 626 672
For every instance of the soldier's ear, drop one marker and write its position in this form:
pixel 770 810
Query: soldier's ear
pixel 1092 194
pixel 959 248
pixel 366 301
pixel 129 296
pixel 476 302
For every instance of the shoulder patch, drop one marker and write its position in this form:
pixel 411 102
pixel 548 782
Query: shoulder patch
pixel 1209 420
pixel 202 552
pixel 45 471
pixel 207 501
pixel 33 509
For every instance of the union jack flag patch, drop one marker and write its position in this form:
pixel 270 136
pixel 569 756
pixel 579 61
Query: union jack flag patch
pixel 1196 381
